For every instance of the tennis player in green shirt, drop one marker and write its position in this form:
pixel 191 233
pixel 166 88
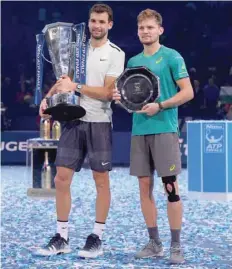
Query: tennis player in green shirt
pixel 155 142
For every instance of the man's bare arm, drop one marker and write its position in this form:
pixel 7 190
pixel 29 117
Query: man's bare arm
pixel 52 91
pixel 184 95
pixel 102 93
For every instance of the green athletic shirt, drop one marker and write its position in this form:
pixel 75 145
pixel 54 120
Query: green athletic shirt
pixel 169 66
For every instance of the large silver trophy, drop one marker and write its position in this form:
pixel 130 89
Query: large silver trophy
pixel 66 45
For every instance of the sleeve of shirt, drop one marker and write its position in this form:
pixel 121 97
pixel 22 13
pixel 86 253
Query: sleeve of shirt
pixel 178 67
pixel 117 63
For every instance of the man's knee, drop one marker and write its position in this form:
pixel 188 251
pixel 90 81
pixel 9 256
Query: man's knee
pixel 170 188
pixel 101 180
pixel 63 179
pixel 146 186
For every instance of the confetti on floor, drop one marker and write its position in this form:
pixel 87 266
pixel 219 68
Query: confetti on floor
pixel 28 223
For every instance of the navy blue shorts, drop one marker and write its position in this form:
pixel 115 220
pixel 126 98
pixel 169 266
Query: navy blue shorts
pixel 80 139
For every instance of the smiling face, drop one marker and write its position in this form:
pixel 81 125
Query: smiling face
pixel 99 25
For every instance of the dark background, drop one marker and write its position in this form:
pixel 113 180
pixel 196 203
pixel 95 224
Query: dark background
pixel 200 31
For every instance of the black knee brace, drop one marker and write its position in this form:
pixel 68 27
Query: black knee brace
pixel 172 197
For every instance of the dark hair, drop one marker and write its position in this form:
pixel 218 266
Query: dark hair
pixel 101 8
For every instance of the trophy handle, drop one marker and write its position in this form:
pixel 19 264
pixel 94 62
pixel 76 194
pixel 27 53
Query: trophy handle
pixel 45 58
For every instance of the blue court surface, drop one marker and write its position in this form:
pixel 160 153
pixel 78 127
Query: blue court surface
pixel 27 223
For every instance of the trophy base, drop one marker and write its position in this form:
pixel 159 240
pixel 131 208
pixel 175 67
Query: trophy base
pixel 65 112
pixel 41 193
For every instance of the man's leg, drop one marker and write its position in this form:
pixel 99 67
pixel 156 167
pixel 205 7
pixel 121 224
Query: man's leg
pixel 174 207
pixel 99 144
pixel 167 159
pixel 63 181
pixel 147 201
pixel 141 165
pixel 175 212
pixel 69 158
pixel 103 195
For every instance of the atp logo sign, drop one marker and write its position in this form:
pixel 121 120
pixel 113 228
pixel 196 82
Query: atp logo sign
pixel 214 137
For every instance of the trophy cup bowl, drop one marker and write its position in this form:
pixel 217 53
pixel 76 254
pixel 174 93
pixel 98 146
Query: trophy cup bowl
pixel 137 86
pixel 60 40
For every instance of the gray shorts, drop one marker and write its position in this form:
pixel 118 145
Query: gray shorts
pixel 160 152
pixel 80 139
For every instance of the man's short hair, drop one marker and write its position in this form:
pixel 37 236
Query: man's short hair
pixel 101 8
pixel 149 14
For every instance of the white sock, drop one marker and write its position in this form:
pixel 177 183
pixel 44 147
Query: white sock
pixel 62 229
pixel 98 229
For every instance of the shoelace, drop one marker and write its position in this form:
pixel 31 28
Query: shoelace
pixel 175 249
pixel 91 241
pixel 54 239
pixel 148 245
